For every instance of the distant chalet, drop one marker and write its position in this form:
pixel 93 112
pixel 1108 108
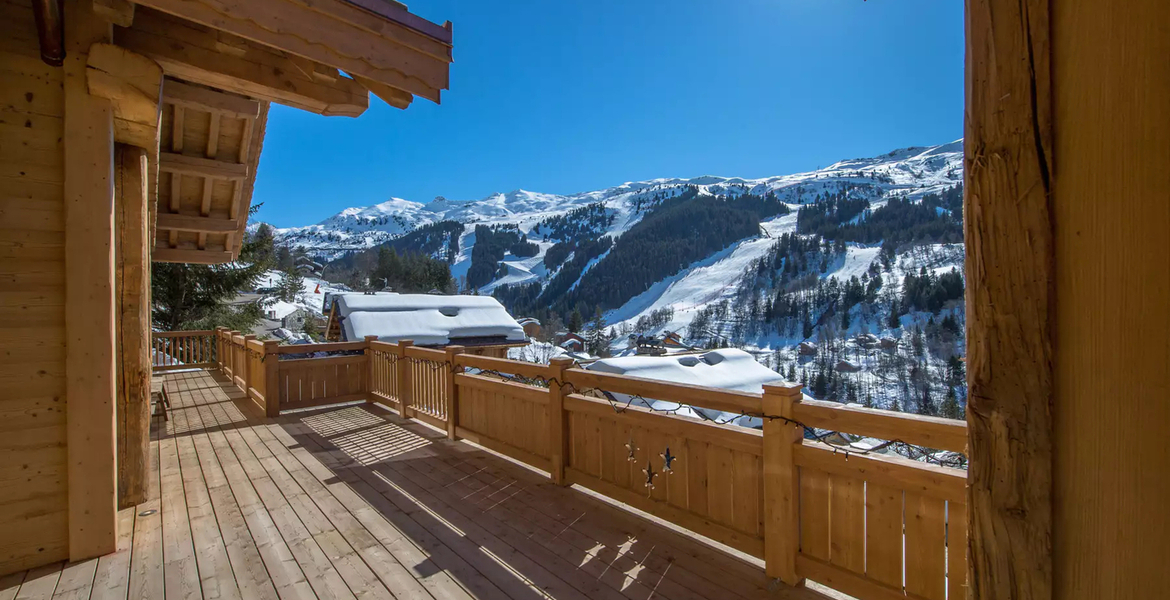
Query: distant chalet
pixel 479 323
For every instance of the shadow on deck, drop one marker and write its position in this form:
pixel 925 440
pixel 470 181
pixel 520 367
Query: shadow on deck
pixel 353 501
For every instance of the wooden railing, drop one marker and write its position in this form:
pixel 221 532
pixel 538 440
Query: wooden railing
pixel 875 526
pixel 172 350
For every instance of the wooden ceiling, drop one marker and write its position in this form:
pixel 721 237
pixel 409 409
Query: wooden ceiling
pixel 209 147
pixel 224 62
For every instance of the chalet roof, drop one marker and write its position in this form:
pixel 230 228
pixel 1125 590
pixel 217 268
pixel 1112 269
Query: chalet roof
pixel 428 320
pixel 729 368
pixel 221 64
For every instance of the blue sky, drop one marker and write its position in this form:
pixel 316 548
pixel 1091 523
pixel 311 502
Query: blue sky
pixel 566 96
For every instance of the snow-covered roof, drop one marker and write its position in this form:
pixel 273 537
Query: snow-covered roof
pixel 426 319
pixel 729 368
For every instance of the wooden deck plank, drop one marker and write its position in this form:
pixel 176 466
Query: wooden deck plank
pixel 263 564
pixel 76 581
pixel 146 557
pixel 40 582
pixel 354 502
pixel 180 569
pixel 475 570
pixel 312 527
pixel 216 579
pixel 112 579
pixel 385 563
pixel 316 569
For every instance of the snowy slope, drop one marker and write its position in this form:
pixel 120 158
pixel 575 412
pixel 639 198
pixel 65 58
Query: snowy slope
pixel 912 171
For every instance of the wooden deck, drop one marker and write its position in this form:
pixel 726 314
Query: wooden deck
pixel 354 502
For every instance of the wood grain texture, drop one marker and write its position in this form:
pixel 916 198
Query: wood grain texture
pixel 89 307
pixel 1010 272
pixel 132 256
pixel 33 472
pixel 1111 202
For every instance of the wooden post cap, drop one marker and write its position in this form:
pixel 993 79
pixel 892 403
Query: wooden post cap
pixel 405 342
pixel 250 336
pixel 453 350
pixel 783 388
pixel 371 338
pixel 562 361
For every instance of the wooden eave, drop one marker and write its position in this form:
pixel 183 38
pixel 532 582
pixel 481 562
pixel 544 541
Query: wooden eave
pixel 224 62
pixel 209 148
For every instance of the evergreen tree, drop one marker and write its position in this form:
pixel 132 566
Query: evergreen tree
pixel 950 406
pixel 193 297
pixel 576 322
pixel 894 321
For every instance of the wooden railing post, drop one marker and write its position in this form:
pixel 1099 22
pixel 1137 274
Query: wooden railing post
pixel 452 391
pixel 248 374
pixel 219 348
pixel 369 352
pixel 271 364
pixel 405 395
pixel 558 419
pixel 235 356
pixel 781 483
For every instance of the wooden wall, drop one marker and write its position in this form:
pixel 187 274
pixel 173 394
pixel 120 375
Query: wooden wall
pixel 1111 208
pixel 33 501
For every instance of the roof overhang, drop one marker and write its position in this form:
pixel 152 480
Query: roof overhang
pixel 191 80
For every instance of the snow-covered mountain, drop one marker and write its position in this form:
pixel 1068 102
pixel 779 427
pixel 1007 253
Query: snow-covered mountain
pixel 732 294
pixel 913 171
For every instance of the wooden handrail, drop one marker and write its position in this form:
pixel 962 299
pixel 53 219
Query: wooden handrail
pixel 503 365
pixel 329 347
pixel 174 334
pixel 931 432
pixel 694 395
pixel 430 354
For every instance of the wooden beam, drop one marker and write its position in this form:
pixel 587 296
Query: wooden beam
pixel 133 84
pixel 118 12
pixel 1010 272
pixel 390 95
pixel 133 319
pixel 197 257
pixel 201 98
pixel 319 36
pixel 190 52
pixel 89 295
pixel 197 224
pixel 169 162
pixel 252 142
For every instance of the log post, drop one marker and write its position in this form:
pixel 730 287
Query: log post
pixel 248 374
pixel 132 254
pixel 369 352
pixel 271 364
pixel 452 391
pixel 404 384
pixel 1010 272
pixel 558 419
pixel 781 484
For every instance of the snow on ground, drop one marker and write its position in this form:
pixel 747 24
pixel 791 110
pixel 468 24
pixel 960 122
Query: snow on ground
pixel 705 282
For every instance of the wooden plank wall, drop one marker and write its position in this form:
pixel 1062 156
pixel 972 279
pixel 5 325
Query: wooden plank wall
pixel 33 500
pixel 871 525
pixel 1111 204
pixel 509 418
pixel 714 487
